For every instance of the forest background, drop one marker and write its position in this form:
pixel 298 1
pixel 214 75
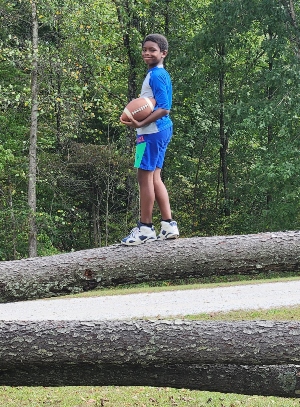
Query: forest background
pixel 68 68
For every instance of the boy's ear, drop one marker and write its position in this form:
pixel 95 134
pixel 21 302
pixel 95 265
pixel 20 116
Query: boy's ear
pixel 165 53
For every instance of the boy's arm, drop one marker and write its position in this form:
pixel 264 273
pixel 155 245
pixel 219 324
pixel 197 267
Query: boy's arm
pixel 159 84
pixel 155 115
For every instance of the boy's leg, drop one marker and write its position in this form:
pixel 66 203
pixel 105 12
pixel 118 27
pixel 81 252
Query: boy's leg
pixel 169 228
pixel 161 195
pixel 143 233
pixel 152 188
pixel 147 194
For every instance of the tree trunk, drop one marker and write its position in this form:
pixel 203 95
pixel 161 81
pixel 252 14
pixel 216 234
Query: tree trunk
pixel 32 239
pixel 222 130
pixel 129 22
pixel 257 357
pixel 12 219
pixel 167 260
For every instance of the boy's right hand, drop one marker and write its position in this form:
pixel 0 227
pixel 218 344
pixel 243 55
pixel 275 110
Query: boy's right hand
pixel 131 123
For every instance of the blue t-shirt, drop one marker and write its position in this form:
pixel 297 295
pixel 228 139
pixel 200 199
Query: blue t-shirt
pixel 157 85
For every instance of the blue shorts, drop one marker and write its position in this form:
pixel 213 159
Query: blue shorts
pixel 151 149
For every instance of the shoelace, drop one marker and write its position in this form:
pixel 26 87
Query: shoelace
pixel 134 230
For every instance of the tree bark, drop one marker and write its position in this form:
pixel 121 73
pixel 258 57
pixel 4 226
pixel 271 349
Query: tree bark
pixel 32 238
pixel 84 270
pixel 258 357
pixel 222 131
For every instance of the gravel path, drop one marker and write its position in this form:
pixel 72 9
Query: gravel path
pixel 162 304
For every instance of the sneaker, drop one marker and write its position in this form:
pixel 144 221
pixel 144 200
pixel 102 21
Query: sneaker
pixel 169 230
pixel 140 234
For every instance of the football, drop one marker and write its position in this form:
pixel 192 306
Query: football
pixel 138 108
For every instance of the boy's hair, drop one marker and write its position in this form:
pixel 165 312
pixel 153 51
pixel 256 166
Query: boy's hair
pixel 159 39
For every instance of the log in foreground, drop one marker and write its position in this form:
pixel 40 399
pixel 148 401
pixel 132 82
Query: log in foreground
pixel 168 260
pixel 257 357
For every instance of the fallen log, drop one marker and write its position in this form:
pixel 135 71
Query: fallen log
pixel 168 260
pixel 278 380
pixel 257 357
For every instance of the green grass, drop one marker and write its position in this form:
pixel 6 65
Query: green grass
pixel 150 396
pixel 276 314
pixel 131 397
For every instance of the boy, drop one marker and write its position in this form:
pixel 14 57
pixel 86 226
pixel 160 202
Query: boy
pixel 153 136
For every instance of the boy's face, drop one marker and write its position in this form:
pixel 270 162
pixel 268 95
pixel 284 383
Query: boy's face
pixel 152 54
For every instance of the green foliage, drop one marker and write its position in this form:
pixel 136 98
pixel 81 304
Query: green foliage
pixel 261 97
pixel 83 193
